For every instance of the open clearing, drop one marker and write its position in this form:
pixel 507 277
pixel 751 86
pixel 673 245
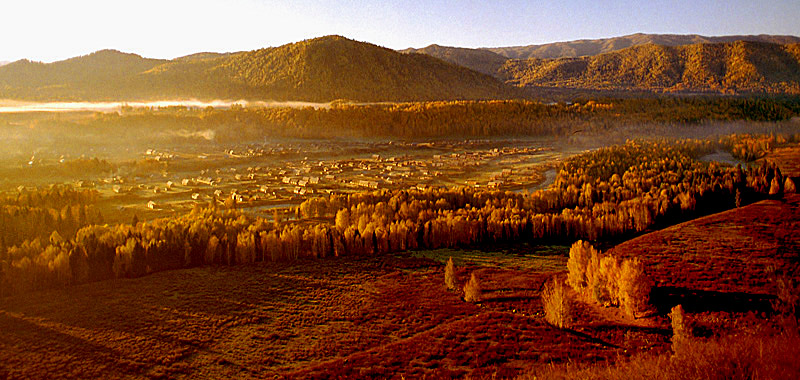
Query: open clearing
pixel 359 317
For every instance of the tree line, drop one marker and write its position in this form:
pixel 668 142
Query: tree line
pixel 444 118
pixel 603 194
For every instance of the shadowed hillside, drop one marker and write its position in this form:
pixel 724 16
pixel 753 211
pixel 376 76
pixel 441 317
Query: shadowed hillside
pixel 480 60
pixel 321 69
pixel 723 67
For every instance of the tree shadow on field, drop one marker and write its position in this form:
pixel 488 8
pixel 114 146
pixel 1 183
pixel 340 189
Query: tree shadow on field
pixel 664 298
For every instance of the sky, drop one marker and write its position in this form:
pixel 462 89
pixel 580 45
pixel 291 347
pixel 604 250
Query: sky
pixel 51 30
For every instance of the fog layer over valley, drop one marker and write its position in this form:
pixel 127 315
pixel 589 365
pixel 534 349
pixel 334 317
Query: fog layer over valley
pixel 15 106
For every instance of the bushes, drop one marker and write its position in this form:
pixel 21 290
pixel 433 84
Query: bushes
pixel 681 331
pixel 607 279
pixel 556 304
pixel 450 274
pixel 472 290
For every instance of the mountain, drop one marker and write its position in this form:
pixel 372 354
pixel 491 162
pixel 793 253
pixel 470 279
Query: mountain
pixel 97 75
pixel 480 60
pixel 581 48
pixel 3 63
pixel 320 69
pixel 740 66
pixel 201 56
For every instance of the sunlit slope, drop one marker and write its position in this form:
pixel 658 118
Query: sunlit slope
pixel 721 67
pixel 98 75
pixel 579 48
pixel 320 69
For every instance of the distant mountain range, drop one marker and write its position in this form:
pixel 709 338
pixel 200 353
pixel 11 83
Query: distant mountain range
pixel 735 67
pixel 320 69
pixel 334 67
pixel 580 48
pixel 687 63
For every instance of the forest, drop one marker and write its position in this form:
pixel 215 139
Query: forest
pixel 54 237
pixel 475 119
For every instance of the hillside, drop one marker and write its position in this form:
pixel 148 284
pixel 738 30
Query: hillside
pixel 97 75
pixel 581 48
pixel 720 67
pixel 480 60
pixel 320 69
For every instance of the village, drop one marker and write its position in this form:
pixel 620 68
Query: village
pixel 273 178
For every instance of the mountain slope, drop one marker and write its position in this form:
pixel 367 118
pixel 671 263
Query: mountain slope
pixel 721 67
pixel 581 48
pixel 320 69
pixel 480 60
pixel 99 74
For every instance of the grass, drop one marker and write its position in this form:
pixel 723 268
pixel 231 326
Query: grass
pixel 536 258
pixel 742 356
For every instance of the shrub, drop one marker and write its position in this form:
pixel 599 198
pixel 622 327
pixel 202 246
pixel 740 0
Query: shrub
pixel 556 304
pixel 472 290
pixel 580 254
pixel 775 187
pixel 450 274
pixel 788 296
pixel 681 332
pixel 634 287
pixel 789 187
pixel 607 279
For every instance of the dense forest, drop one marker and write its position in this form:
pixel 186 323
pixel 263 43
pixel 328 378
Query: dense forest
pixel 333 67
pixel 321 69
pixel 420 120
pixel 52 237
pixel 734 67
pixel 581 48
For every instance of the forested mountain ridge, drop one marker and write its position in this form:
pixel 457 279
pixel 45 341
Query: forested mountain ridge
pixel 579 48
pixel 719 67
pixel 96 75
pixel 480 60
pixel 320 69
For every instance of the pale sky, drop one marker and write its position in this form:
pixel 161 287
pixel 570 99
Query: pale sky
pixel 49 30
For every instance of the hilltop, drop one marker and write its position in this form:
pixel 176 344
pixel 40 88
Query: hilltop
pixel 320 69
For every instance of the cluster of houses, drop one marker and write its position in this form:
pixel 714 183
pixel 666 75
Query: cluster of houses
pixel 289 174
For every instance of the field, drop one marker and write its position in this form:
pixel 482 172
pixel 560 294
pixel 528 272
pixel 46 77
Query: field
pixel 358 317
pixel 386 316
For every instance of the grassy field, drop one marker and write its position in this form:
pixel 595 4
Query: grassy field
pixel 391 316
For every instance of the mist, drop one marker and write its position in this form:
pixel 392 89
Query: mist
pixel 12 106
